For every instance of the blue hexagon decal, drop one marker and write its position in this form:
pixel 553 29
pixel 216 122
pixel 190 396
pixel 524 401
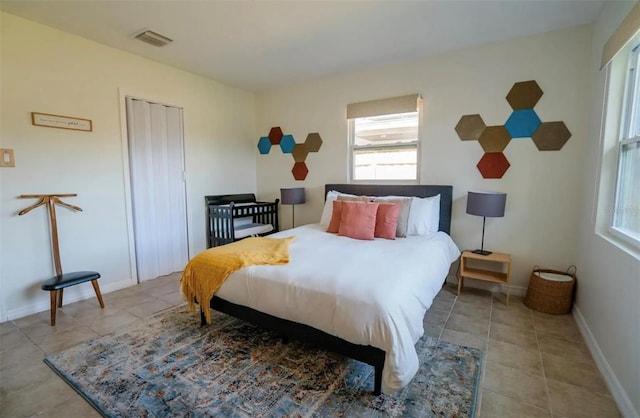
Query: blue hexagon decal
pixel 264 145
pixel 522 123
pixel 287 143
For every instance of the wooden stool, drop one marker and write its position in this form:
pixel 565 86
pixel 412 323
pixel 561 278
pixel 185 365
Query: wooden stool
pixel 56 285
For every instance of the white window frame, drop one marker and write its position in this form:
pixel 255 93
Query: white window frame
pixel 630 112
pixel 351 124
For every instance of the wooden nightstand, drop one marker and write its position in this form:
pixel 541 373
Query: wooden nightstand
pixel 478 271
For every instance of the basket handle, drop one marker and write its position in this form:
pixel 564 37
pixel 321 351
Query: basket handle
pixel 536 268
pixel 575 270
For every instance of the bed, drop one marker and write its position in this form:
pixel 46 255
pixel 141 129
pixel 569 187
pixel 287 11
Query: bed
pixel 323 300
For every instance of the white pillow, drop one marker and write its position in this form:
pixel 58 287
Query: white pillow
pixel 327 211
pixel 424 216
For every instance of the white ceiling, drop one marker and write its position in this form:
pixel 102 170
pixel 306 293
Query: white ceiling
pixel 259 45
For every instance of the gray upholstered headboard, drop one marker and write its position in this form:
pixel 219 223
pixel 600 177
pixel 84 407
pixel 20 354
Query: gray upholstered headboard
pixel 418 190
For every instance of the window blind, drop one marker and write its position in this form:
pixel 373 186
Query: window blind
pixel 389 106
pixel 627 30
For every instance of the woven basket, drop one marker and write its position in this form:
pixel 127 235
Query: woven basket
pixel 551 291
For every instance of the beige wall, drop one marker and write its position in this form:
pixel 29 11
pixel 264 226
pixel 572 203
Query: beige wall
pixel 46 70
pixel 550 218
pixel 543 188
pixel 607 306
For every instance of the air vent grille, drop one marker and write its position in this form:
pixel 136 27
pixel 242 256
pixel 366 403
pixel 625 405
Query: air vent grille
pixel 153 38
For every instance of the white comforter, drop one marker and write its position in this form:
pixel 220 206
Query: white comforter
pixel 365 292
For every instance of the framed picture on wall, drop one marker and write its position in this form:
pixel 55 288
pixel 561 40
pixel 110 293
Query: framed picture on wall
pixel 62 122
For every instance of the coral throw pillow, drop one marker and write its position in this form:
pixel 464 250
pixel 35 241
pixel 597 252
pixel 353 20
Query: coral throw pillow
pixel 405 208
pixel 387 220
pixel 358 220
pixel 334 223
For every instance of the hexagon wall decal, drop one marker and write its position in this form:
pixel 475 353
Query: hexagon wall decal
pixel 313 142
pixel 470 127
pixel 551 136
pixel 287 143
pixel 522 123
pixel 494 139
pixel 300 171
pixel 275 135
pixel 493 165
pixel 524 95
pixel 300 153
pixel 264 145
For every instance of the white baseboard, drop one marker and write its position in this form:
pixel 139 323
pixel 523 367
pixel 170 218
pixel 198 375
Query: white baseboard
pixel 515 290
pixel 85 292
pixel 617 391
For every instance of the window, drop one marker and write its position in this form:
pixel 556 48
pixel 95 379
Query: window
pixel 384 138
pixel 385 147
pixel 626 213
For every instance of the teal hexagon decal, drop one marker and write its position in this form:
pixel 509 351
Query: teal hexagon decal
pixel 287 143
pixel 264 145
pixel 522 123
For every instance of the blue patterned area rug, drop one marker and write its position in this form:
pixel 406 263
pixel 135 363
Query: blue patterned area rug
pixel 168 366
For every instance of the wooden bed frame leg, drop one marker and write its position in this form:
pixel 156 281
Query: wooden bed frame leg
pixel 377 385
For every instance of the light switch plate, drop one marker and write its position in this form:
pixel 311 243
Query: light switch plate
pixel 6 158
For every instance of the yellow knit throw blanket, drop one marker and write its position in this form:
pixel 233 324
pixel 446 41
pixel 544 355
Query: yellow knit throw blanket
pixel 206 272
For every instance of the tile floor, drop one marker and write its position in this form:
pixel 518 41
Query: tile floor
pixel 534 365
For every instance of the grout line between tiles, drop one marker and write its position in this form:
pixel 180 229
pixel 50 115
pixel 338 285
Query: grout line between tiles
pixel 448 316
pixel 36 345
pixel 521 402
pixel 544 374
pixel 485 358
pixel 486 351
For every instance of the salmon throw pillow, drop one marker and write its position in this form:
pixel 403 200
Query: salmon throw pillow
pixel 358 220
pixel 334 224
pixel 387 220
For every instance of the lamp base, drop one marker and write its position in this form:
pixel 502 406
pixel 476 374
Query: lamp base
pixel 482 252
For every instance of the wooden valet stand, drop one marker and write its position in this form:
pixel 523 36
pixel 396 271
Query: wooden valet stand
pixel 57 283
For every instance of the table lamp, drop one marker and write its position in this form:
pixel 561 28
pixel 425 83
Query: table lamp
pixel 486 204
pixel 293 197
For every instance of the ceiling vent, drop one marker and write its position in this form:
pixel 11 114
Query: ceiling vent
pixel 153 38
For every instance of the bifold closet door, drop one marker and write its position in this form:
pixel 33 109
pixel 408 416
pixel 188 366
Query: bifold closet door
pixel 158 193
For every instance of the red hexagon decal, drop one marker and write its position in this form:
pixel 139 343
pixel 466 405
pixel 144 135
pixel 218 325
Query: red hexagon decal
pixel 275 135
pixel 300 171
pixel 493 165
